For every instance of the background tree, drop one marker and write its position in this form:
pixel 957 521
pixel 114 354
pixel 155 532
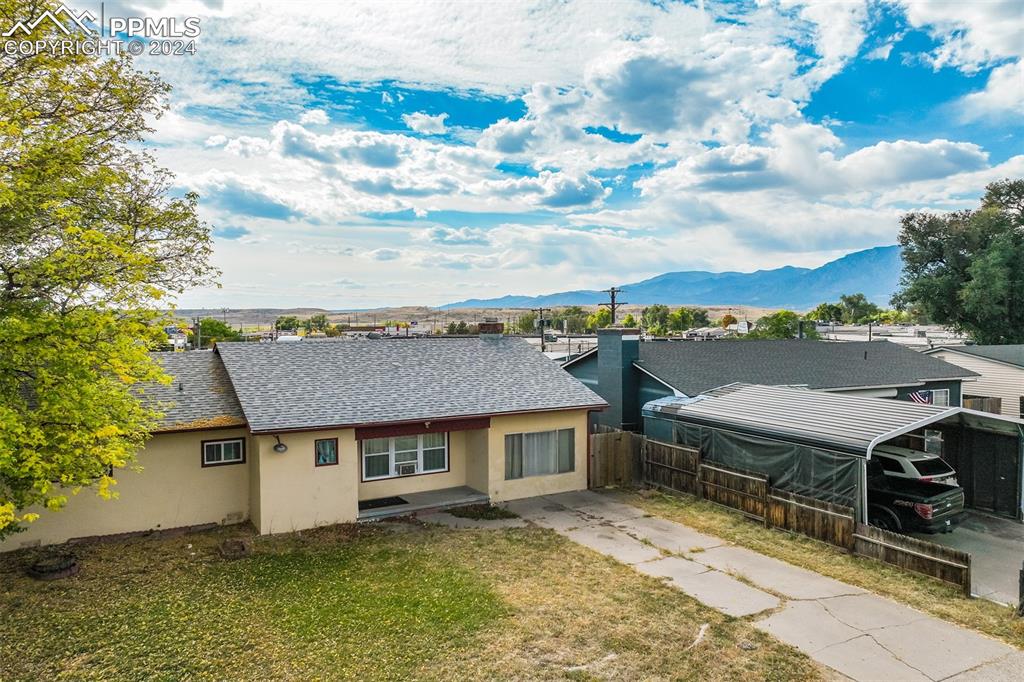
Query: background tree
pixel 826 312
pixel 727 320
pixel 527 323
pixel 317 323
pixel 213 331
pixel 655 317
pixel 92 244
pixel 599 320
pixel 857 309
pixel 784 324
pixel 287 322
pixel 700 317
pixel 966 269
pixel 572 319
pixel 680 320
pixel 629 320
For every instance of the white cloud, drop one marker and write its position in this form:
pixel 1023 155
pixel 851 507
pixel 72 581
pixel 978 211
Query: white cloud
pixel 425 123
pixel 314 117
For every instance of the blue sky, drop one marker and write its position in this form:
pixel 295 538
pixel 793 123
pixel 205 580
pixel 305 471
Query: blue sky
pixel 389 154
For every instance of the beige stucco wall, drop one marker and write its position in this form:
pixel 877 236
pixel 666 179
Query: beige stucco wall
pixel 477 460
pixel 501 490
pixel 172 490
pixel 294 493
pixel 284 492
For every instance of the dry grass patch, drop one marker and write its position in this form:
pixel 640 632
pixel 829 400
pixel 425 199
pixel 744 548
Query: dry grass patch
pixel 385 601
pixel 918 591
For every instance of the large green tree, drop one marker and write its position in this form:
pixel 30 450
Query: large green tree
pixel 784 324
pixel 92 244
pixel 966 269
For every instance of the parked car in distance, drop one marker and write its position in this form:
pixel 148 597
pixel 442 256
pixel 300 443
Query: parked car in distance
pixel 907 463
pixel 903 505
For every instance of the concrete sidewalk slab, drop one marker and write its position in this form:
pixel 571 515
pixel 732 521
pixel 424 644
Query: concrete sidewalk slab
pixel 862 658
pixel 579 498
pixel 614 543
pixel 940 649
pixel 548 514
pixel 675 537
pixel 1006 668
pixel 867 612
pixel 671 567
pixel 808 626
pixel 723 592
pixel 778 576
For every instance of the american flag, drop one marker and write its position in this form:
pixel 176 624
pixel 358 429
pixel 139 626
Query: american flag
pixel 923 397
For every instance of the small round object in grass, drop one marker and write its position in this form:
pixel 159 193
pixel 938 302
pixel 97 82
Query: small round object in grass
pixel 54 567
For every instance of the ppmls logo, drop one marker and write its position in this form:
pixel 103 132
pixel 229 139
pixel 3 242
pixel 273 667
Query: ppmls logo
pixel 52 16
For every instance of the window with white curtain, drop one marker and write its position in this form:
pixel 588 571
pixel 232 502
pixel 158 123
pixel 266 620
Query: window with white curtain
pixel 382 456
pixel 940 397
pixel 540 453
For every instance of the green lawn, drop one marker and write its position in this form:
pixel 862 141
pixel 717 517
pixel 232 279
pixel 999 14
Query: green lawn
pixel 926 594
pixel 385 601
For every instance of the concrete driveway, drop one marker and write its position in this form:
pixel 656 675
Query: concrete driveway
pixel 997 550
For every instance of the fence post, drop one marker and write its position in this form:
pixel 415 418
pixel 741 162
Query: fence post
pixel 1020 593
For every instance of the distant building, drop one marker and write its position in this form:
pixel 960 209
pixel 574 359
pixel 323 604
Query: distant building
pixel 629 373
pixel 1000 370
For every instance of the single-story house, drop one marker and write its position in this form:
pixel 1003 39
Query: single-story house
pixel 817 443
pixel 292 436
pixel 628 373
pixel 1000 371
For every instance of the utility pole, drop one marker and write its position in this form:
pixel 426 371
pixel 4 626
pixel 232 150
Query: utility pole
pixel 612 293
pixel 540 323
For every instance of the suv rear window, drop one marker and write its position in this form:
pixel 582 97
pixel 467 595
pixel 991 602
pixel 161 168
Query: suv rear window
pixel 932 467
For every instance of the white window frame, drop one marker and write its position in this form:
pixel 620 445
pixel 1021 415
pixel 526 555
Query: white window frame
pixel 222 461
pixel 392 466
pixel 944 392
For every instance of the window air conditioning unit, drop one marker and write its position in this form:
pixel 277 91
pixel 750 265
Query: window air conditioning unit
pixel 406 469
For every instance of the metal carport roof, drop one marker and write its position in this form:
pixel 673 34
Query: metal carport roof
pixel 842 423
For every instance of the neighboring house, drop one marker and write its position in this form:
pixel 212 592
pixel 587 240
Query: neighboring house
pixel 1000 372
pixel 292 436
pixel 629 373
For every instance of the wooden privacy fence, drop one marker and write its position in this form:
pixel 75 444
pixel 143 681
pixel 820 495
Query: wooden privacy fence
pixel 615 458
pixel 993 405
pixel 680 469
pixel 741 490
pixel 911 554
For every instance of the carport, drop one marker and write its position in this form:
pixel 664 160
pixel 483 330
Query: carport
pixel 817 444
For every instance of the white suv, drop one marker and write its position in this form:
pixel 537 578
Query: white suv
pixel 907 463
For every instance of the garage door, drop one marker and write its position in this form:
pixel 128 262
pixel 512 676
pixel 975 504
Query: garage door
pixel 989 475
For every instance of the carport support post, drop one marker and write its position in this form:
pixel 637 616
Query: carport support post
pixel 862 506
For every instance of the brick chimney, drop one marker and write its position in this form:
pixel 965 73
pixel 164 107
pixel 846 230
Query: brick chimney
pixel 617 349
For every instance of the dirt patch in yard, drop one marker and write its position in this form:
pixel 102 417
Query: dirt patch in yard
pixel 361 602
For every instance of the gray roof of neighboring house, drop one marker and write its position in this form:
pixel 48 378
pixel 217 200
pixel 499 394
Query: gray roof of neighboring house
pixel 845 423
pixel 693 367
pixel 1012 354
pixel 200 396
pixel 354 382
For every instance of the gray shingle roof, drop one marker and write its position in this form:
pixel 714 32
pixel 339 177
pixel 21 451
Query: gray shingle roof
pixel 200 396
pixel 693 367
pixel 1012 354
pixel 352 382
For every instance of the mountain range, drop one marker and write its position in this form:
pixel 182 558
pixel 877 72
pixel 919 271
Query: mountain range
pixel 873 272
